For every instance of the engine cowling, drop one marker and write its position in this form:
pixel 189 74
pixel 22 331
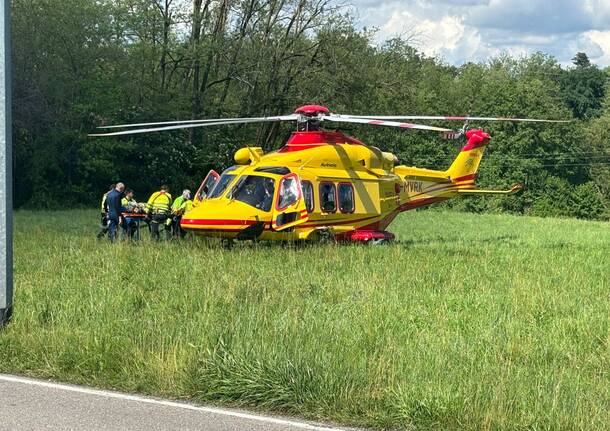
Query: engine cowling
pixel 247 155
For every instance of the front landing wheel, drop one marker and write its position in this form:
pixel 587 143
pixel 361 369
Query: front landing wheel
pixel 227 243
pixel 324 236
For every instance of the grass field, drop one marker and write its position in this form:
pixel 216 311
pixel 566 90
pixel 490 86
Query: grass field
pixel 466 322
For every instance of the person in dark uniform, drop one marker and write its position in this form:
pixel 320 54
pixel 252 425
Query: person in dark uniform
pixel 114 210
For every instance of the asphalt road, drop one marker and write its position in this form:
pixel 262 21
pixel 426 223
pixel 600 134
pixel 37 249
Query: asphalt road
pixel 28 404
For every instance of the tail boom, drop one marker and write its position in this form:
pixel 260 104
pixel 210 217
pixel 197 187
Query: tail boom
pixel 423 187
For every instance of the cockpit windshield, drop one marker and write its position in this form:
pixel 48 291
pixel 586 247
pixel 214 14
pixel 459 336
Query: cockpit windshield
pixel 223 182
pixel 255 191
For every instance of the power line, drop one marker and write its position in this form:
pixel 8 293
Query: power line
pixel 545 155
pixel 577 164
pixel 560 159
pixel 553 165
pixel 558 156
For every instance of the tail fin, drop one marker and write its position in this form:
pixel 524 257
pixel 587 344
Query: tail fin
pixel 465 165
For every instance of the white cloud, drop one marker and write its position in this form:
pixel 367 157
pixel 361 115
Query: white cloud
pixel 435 34
pixel 532 16
pixel 447 37
pixel 473 30
pixel 601 39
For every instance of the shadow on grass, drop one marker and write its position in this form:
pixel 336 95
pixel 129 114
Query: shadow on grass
pixel 444 240
pixel 409 243
pixel 406 243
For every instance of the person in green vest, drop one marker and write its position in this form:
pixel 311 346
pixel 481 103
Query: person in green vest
pixel 182 204
pixel 129 205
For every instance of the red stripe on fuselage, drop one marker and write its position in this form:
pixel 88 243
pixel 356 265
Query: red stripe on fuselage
pixel 419 203
pixel 214 222
pixel 465 178
pixel 238 225
pixel 323 222
pixel 218 230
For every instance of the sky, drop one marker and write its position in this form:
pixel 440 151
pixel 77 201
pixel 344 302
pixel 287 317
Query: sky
pixel 460 31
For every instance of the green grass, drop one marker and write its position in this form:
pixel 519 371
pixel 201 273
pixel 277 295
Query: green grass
pixel 466 322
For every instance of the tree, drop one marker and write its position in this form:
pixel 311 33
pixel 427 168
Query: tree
pixel 581 60
pixel 92 63
pixel 584 87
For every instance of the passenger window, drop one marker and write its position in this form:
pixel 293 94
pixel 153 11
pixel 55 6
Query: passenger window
pixel 307 195
pixel 289 192
pixel 328 197
pixel 346 198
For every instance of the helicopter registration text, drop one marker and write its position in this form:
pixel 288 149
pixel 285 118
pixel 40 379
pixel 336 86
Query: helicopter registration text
pixel 413 186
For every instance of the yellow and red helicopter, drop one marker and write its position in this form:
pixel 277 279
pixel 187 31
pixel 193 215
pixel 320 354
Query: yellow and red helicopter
pixel 324 184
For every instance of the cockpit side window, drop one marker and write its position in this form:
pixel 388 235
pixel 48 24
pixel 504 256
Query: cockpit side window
pixel 290 192
pixel 207 185
pixel 255 191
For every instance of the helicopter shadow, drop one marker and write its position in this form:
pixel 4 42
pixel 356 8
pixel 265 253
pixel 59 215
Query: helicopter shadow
pixel 451 240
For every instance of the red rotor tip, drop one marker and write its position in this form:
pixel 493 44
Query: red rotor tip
pixel 312 110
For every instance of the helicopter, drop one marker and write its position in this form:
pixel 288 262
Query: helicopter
pixel 322 184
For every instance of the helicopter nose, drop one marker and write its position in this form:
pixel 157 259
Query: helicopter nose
pixel 215 218
pixel 218 224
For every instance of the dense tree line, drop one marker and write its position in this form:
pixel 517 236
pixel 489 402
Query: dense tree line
pixel 79 64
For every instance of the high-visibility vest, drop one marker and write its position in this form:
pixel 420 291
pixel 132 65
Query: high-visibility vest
pixel 104 208
pixel 182 205
pixel 128 204
pixel 177 203
pixel 159 202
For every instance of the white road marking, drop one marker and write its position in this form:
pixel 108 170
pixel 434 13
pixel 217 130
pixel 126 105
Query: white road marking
pixel 109 394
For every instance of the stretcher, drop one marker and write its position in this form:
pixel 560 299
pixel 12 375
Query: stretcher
pixel 137 218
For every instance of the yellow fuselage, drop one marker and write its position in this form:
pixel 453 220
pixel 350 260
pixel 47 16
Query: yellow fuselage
pixel 328 165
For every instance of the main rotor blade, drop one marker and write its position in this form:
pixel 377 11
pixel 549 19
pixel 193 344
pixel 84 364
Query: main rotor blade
pixel 190 126
pixel 162 123
pixel 376 122
pixel 449 118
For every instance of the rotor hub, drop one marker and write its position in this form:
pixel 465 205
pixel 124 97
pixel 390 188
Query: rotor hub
pixel 312 110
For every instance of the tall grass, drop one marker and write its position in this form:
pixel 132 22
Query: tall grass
pixel 466 322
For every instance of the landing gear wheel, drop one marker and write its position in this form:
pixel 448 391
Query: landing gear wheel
pixel 325 236
pixel 380 241
pixel 227 243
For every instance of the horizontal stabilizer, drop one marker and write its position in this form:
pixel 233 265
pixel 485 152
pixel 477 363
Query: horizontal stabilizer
pixel 514 189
